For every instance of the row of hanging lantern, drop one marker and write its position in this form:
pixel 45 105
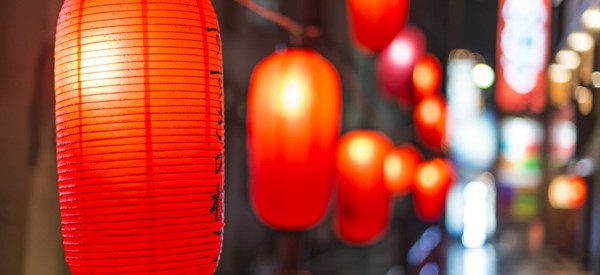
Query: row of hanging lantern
pixel 140 136
pixel 295 157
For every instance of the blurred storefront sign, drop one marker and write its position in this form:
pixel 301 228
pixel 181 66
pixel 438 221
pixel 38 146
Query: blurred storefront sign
pixel 522 50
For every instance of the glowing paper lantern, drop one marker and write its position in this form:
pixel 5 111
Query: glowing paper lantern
pixel 427 77
pixel 294 107
pixel 139 124
pixel 433 179
pixel 374 24
pixel 363 206
pixel 396 63
pixel 399 168
pixel 430 121
pixel 567 192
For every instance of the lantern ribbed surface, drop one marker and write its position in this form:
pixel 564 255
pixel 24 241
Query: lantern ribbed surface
pixel 140 136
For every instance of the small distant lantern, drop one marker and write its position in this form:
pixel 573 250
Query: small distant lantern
pixel 432 182
pixel 294 107
pixel 427 77
pixel 396 63
pixel 363 200
pixel 399 168
pixel 567 192
pixel 430 121
pixel 374 24
pixel 140 128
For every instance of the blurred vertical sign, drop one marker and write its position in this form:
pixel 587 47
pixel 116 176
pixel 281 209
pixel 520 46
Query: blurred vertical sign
pixel 522 55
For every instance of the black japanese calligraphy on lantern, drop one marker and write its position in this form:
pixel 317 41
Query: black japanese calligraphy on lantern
pixel 217 37
pixel 217 200
pixel 218 163
pixel 221 116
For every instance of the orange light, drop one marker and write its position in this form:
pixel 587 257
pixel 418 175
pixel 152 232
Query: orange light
pixel 430 112
pixel 567 192
pixel 363 201
pixel 432 181
pixel 294 106
pixel 427 77
pixel 140 127
pixel 430 121
pixel 375 23
pixel 399 167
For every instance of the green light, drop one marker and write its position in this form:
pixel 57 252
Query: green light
pixel 483 76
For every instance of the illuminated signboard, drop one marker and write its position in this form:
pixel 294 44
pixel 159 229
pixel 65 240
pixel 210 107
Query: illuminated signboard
pixel 522 55
pixel 472 133
pixel 520 164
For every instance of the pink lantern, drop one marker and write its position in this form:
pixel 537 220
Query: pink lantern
pixel 396 63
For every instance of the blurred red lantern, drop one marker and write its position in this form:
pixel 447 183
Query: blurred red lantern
pixel 363 207
pixel 375 23
pixel 427 77
pixel 396 63
pixel 430 121
pixel 567 192
pixel 294 106
pixel 139 125
pixel 432 182
pixel 399 168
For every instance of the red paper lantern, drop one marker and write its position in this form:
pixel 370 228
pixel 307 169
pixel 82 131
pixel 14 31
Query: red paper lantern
pixel 427 77
pixel 139 125
pixel 430 121
pixel 294 108
pixel 396 63
pixel 363 206
pixel 375 23
pixel 567 192
pixel 399 168
pixel 432 182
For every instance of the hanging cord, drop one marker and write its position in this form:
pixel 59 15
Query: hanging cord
pixel 298 33
pixel 296 30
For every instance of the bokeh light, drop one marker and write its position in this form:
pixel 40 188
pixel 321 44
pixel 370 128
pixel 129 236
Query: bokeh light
pixel 483 76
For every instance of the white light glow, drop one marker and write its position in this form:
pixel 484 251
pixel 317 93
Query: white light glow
pixel 564 135
pixel 474 143
pixel 519 134
pixel 522 62
pixel 559 73
pixel 464 97
pixel 580 41
pixel 476 261
pixel 402 52
pixel 583 94
pixel 569 59
pixel 561 193
pixel 591 18
pixel 475 214
pixel 483 76
pixel 596 79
